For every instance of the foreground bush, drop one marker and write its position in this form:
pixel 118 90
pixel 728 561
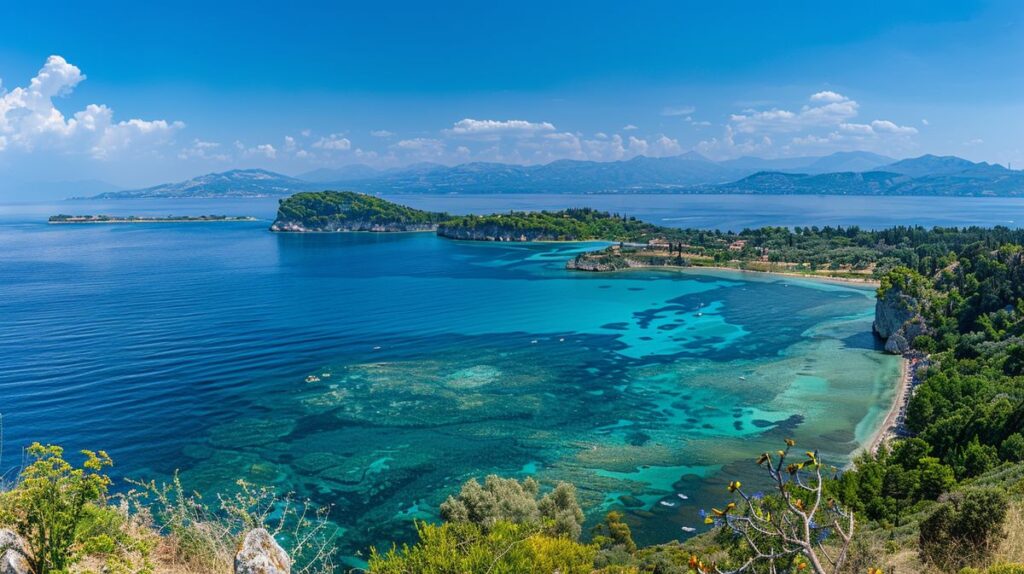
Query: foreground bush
pixel 509 500
pixel 504 548
pixel 59 508
pixel 965 529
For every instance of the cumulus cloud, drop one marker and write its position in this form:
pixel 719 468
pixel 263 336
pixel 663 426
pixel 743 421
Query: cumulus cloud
pixel 490 129
pixel 420 148
pixel 29 118
pixel 203 150
pixel 826 123
pixel 381 133
pixel 887 127
pixel 333 142
pixel 629 128
pixel 827 96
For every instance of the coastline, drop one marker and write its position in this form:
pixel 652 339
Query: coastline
pixel 887 429
pixel 699 268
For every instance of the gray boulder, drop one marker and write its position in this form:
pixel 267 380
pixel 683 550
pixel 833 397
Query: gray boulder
pixel 261 554
pixel 896 344
pixel 12 560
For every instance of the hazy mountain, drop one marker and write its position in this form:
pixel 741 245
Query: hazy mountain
pixel 234 183
pixel 836 162
pixel 842 161
pixel 932 165
pixel 344 173
pixel 860 173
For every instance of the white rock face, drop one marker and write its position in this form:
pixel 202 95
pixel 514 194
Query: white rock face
pixel 11 560
pixel 260 554
pixel 898 321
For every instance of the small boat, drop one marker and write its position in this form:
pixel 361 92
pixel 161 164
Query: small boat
pixel 700 314
pixel 312 379
pixel 533 342
pixel 561 340
pixel 688 529
pixel 377 348
pixel 666 503
pixel 683 496
pixel 743 378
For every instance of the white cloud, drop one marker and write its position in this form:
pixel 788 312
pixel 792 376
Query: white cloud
pixel 266 150
pixel 924 121
pixel 381 133
pixel 862 129
pixel 887 127
pixel 827 96
pixel 333 142
pixel 29 119
pixel 973 142
pixel 678 111
pixel 203 150
pixel 489 129
pixel 826 123
pixel 629 128
pixel 420 148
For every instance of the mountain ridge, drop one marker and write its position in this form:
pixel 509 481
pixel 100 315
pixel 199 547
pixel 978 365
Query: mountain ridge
pixel 843 173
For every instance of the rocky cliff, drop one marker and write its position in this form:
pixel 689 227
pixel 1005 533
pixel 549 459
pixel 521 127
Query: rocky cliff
pixel 495 233
pixel 291 226
pixel 898 320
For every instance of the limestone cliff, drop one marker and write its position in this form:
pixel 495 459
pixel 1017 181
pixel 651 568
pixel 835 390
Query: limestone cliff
pixel 898 320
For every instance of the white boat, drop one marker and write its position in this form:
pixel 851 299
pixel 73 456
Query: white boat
pixel 683 496
pixel 743 378
pixel 667 503
pixel 688 529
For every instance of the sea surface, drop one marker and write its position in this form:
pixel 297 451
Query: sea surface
pixel 379 372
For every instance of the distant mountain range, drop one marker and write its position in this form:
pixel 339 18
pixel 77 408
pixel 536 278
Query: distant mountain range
pixel 843 173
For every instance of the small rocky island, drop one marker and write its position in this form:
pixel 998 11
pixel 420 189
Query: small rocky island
pixel 75 219
pixel 337 211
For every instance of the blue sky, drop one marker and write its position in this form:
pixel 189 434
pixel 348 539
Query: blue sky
pixel 139 93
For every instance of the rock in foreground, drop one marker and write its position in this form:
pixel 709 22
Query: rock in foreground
pixel 261 554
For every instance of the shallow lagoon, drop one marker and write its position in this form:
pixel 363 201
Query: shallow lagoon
pixel 188 347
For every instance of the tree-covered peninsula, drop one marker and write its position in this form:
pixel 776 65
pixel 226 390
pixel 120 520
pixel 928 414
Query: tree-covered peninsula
pixel 329 211
pixel 580 224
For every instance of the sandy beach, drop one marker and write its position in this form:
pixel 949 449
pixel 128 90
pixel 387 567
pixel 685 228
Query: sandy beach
pixel 886 430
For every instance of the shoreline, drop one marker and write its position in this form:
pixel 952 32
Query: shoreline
pixel 886 430
pixel 698 268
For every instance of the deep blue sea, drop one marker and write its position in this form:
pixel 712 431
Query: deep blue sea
pixel 379 372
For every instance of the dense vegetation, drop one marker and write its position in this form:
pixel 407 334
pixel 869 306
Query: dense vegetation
pixel 841 251
pixel 346 210
pixel 567 225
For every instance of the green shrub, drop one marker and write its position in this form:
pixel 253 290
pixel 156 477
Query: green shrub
pixel 503 548
pixel 509 500
pixel 52 503
pixel 965 529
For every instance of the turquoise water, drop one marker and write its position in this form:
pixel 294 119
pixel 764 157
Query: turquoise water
pixel 189 347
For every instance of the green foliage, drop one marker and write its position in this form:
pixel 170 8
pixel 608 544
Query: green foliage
pixel 965 529
pixel 887 485
pixel 1012 449
pixel 613 532
pixel 512 501
pixel 205 538
pixel 996 569
pixel 567 225
pixel 324 209
pixel 503 548
pixel 52 504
